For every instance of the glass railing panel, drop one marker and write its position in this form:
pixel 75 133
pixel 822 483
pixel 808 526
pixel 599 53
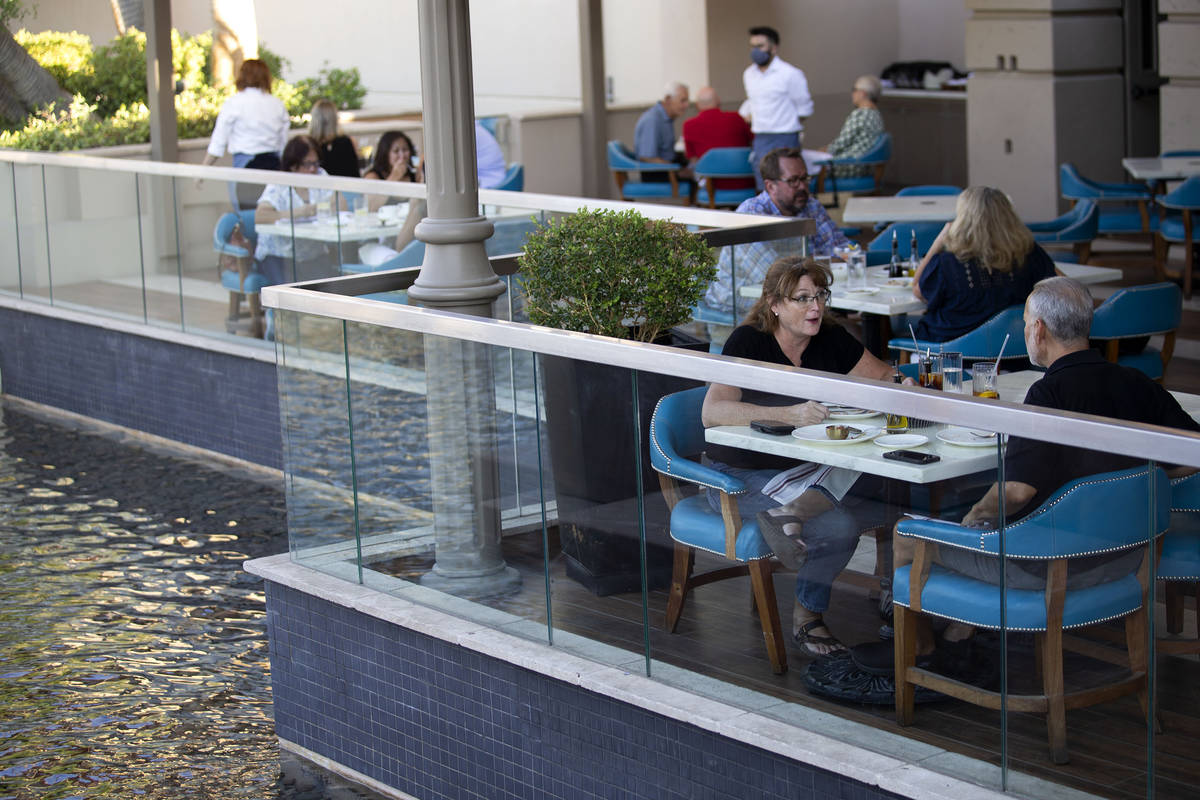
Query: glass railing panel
pixel 10 249
pixel 95 245
pixel 166 292
pixel 375 231
pixel 314 408
pixel 28 191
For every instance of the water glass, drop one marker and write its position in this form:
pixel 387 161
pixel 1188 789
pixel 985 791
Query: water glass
pixel 324 210
pixel 952 372
pixel 857 265
pixel 983 379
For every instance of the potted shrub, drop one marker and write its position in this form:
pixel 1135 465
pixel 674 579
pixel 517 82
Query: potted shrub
pixel 613 274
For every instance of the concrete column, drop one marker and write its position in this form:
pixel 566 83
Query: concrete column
pixel 160 82
pixel 1179 65
pixel 456 276
pixel 594 119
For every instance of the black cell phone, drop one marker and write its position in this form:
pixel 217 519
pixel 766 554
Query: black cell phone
pixel 911 456
pixel 772 426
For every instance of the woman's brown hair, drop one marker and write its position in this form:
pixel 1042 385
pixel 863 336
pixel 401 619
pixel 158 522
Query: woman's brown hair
pixel 254 74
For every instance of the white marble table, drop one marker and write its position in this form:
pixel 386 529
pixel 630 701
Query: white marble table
pixel 1162 169
pixel 910 208
pixel 344 228
pixel 867 456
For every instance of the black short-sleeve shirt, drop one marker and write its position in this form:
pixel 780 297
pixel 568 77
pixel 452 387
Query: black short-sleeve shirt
pixel 1085 382
pixel 832 349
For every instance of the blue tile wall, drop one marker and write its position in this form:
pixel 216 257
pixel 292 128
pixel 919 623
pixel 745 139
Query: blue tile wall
pixel 438 721
pixel 199 397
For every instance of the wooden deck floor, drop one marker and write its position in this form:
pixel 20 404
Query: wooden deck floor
pixel 719 636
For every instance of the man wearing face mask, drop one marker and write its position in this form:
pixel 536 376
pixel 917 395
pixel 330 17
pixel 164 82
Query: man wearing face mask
pixel 786 195
pixel 777 97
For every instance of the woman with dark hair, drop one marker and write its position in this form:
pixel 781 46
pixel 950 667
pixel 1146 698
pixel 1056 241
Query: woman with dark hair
pixel 815 533
pixel 982 262
pixel 253 123
pixel 393 159
pixel 339 153
pixel 280 260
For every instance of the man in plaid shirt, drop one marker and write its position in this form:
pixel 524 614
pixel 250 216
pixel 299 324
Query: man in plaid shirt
pixel 785 177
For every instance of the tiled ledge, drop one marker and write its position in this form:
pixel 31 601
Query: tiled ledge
pixel 893 763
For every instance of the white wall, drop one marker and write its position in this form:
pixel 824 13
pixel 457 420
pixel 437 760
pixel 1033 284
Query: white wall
pixel 932 30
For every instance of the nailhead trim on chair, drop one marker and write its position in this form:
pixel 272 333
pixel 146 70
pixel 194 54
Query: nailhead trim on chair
pixel 1026 629
pixel 721 553
pixel 667 458
pixel 1026 520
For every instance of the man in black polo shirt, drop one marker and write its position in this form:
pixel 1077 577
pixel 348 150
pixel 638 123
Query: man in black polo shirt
pixel 1058 316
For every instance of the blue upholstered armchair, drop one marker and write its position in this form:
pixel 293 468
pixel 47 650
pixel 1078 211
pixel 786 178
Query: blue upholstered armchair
pixel 1179 564
pixel 1178 227
pixel 1124 207
pixel 1097 514
pixel 676 441
pixel 876 158
pixel 723 162
pixel 623 163
pixel 1137 311
pixel 238 270
pixel 1078 227
pixel 981 344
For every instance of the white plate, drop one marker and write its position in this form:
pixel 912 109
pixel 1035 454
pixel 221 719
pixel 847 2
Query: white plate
pixel 850 412
pixel 901 440
pixel 816 434
pixel 863 290
pixel 967 437
pixel 897 284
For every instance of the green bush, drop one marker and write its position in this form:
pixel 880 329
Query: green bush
pixel 109 89
pixel 343 87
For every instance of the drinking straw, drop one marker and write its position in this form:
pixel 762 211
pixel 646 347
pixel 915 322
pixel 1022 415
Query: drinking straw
pixel 1001 355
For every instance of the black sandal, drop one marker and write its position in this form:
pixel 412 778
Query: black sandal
pixel 806 639
pixel 792 552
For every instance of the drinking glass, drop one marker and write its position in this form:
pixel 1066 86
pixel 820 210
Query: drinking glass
pixel 324 210
pixel 983 379
pixel 857 265
pixel 952 371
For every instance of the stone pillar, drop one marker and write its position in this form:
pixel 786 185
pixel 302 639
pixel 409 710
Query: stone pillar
pixel 1048 87
pixel 1179 65
pixel 456 276
pixel 594 119
pixel 160 82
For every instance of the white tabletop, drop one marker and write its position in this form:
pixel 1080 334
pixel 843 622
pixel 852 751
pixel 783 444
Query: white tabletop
pixel 1152 169
pixel 867 456
pixel 888 300
pixel 345 228
pixel 910 208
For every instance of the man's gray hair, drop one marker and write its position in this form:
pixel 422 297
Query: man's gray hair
pixel 673 88
pixel 1065 306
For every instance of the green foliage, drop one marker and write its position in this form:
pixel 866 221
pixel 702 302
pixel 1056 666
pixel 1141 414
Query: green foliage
pixel 11 10
pixel 614 273
pixel 343 87
pixel 66 56
pixel 275 62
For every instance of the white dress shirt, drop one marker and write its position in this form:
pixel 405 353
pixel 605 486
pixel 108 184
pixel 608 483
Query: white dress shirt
pixel 251 121
pixel 778 96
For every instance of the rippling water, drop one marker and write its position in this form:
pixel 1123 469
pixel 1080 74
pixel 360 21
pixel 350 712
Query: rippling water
pixel 133 648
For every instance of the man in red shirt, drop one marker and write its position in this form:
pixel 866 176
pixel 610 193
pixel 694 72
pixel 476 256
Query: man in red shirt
pixel 713 127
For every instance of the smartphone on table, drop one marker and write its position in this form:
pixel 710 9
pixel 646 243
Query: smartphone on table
pixel 912 456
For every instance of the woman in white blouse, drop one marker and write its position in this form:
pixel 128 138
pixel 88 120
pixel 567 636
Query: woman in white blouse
pixel 252 125
pixel 286 259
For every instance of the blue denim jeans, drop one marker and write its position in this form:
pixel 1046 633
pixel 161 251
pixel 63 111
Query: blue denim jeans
pixel 831 538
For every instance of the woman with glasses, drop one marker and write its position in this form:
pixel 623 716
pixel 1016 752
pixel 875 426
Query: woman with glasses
pixel 816 533
pixel 281 261
pixel 982 262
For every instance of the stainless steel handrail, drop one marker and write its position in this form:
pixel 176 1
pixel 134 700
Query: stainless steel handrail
pixel 327 299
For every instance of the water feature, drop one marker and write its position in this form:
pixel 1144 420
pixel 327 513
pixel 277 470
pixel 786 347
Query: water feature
pixel 133 648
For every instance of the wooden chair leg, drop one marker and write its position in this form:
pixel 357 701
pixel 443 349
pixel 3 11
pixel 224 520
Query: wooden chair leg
pixel 1083 251
pixel 1174 594
pixel 905 643
pixel 235 304
pixel 1052 688
pixel 256 315
pixel 1136 632
pixel 768 613
pixel 685 558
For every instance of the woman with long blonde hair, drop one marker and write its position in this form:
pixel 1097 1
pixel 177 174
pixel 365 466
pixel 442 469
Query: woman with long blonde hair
pixel 339 154
pixel 983 261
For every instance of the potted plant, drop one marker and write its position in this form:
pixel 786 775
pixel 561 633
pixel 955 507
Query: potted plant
pixel 611 273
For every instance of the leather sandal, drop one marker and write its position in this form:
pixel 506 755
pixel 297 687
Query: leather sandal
pixel 809 642
pixel 792 552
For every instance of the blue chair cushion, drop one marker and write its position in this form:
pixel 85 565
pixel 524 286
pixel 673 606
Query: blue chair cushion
pixel 694 523
pixel 399 296
pixel 656 189
pixel 1172 230
pixel 251 285
pixel 1124 219
pixel 954 596
pixel 1149 361
pixel 724 197
pixel 1180 554
pixel 861 184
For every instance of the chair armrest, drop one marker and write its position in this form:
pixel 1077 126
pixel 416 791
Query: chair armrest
pixel 693 472
pixel 948 533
